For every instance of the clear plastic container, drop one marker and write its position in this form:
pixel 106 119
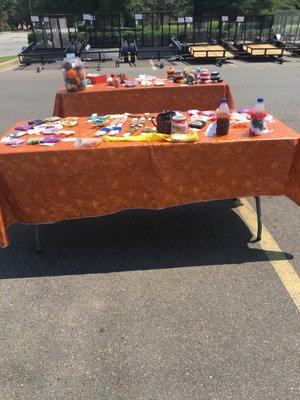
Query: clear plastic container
pixel 223 118
pixel 74 74
pixel 179 124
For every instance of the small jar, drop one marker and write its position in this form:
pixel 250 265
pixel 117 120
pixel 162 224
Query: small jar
pixel 170 72
pixel 179 124
pixel 204 76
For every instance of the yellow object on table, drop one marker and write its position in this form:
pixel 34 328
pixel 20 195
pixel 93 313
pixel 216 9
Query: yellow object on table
pixel 155 137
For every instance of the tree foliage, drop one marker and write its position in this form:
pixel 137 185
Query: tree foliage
pixel 14 10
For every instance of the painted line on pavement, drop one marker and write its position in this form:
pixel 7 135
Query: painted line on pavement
pixel 284 268
pixel 152 64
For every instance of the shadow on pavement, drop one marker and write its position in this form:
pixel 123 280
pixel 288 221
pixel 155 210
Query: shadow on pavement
pixel 193 235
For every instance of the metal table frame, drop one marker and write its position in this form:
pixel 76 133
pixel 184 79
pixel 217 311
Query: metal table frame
pixel 258 234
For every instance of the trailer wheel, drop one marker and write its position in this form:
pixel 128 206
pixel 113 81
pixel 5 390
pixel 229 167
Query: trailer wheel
pixel 280 60
pixel 219 63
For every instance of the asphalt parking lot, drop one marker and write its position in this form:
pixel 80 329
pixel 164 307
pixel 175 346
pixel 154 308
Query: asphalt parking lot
pixel 154 305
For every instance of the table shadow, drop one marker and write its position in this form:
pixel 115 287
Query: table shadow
pixel 192 235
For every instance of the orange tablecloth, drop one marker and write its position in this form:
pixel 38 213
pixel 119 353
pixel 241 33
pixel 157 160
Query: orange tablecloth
pixel 104 99
pixel 43 185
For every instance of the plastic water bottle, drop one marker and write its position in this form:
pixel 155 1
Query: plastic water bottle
pixel 223 117
pixel 257 125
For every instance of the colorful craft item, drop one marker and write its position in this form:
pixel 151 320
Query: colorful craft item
pixel 113 80
pixel 193 112
pixel 34 141
pixel 209 114
pixel 65 133
pixel 92 117
pixel 48 130
pixel 130 83
pixel 103 131
pixel 24 127
pixel 159 82
pixel 178 76
pixel 14 142
pixel 69 122
pixel 204 76
pixel 170 72
pixel 52 119
pixel 117 82
pixel 116 129
pixel 17 134
pixel 72 74
pixel 146 80
pixel 100 121
pixel 50 139
pixel 190 78
pixel 110 80
pixel 215 76
pixel 122 78
pixel 36 122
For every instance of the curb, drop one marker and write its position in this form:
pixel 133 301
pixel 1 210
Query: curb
pixel 10 64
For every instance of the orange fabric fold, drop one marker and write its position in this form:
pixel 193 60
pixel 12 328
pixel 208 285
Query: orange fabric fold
pixel 104 99
pixel 292 189
pixel 49 184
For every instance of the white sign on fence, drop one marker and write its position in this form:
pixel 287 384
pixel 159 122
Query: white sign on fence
pixel 180 20
pixel 188 19
pixel 34 18
pixel 46 19
pixel 138 16
pixel 240 18
pixel 88 17
pixel 225 18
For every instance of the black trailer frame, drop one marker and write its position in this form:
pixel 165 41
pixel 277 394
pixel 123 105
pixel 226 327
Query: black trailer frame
pixel 241 29
pixel 104 30
pixel 151 28
pixel 48 30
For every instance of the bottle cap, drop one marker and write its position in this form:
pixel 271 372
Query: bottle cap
pixel 260 100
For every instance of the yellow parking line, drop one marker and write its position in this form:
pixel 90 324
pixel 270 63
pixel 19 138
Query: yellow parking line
pixel 152 65
pixel 284 268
